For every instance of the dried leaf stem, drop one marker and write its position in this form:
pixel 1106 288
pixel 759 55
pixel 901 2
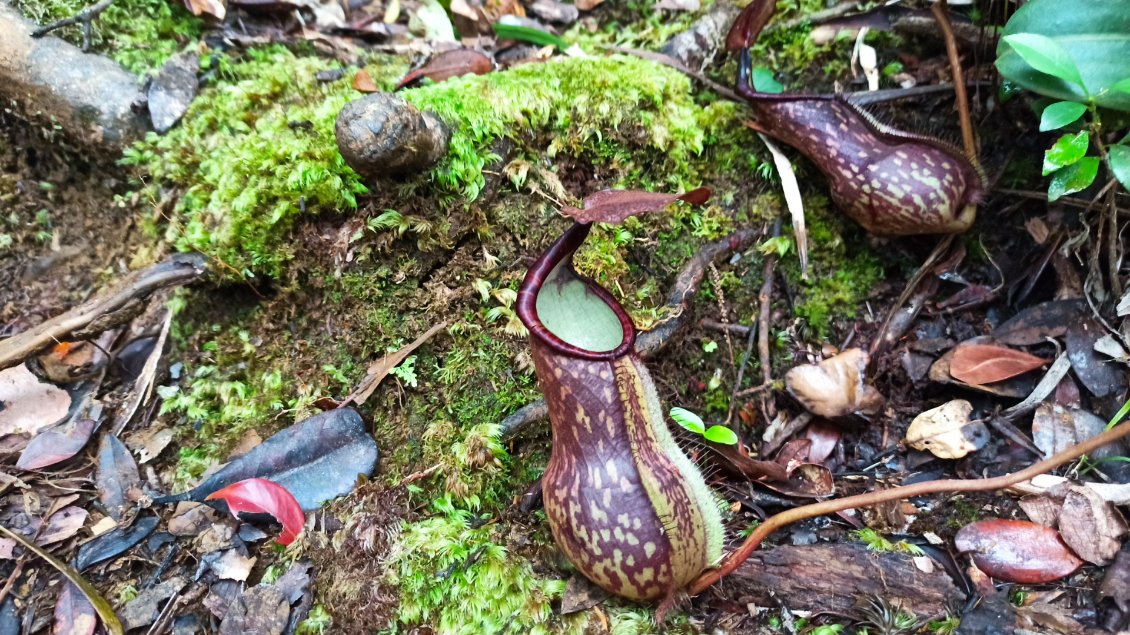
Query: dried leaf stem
pixel 941 14
pixel 788 517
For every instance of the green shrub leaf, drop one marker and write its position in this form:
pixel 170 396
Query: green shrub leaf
pixel 688 420
pixel 1091 41
pixel 721 434
pixel 1045 55
pixel 1073 178
pixel 1119 161
pixel 1068 150
pixel 1060 114
pixel 1122 86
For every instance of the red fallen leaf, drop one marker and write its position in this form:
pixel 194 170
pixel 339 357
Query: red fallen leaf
pixel 448 65
pixel 1017 551
pixel 985 363
pixel 362 82
pixel 258 495
pixel 613 206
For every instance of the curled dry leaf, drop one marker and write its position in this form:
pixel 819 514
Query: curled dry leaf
pixel 834 387
pixel 1092 527
pixel 613 206
pixel 946 431
pixel 986 363
pixel 1017 551
pixel 447 65
pixel 258 495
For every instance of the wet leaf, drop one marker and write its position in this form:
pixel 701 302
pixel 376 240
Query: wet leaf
pixel 115 542
pixel 1097 374
pixel 834 387
pixel 28 405
pixel 316 460
pixel 118 482
pixel 986 363
pixel 1017 551
pixel 56 444
pixel 1092 527
pixel 1068 150
pixel 1056 428
pixel 1037 323
pixel 1118 159
pixel 109 619
pixel 447 65
pixel 74 614
pixel 257 495
pixel 946 431
pixel 614 206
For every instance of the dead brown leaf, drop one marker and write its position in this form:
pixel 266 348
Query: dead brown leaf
pixel 214 8
pixel 363 82
pixel 380 369
pixel 986 364
pixel 614 206
pixel 449 64
pixel 74 614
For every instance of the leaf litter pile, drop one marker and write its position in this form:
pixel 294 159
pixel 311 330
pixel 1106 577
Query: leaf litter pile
pixel 999 353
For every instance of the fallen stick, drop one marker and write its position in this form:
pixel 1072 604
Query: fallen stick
pixel 99 313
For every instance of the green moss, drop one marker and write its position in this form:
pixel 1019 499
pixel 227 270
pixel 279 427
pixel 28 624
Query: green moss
pixel 455 576
pixel 138 34
pixel 256 150
pixel 840 279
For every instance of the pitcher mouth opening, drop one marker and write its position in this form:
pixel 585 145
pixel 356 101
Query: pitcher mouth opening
pixel 569 312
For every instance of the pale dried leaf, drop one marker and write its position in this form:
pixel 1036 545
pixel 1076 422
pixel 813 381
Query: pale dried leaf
pixel 791 190
pixel 946 431
pixel 834 387
pixel 28 405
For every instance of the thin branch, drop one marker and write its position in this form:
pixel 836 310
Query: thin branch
pixel 941 14
pixel 788 517
pixel 97 313
pixel 85 17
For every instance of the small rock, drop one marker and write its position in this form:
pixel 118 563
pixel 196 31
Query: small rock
pixel 383 135
pixel 554 11
pixel 172 91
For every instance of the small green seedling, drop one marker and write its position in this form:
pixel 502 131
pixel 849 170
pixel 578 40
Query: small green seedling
pixel 692 422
